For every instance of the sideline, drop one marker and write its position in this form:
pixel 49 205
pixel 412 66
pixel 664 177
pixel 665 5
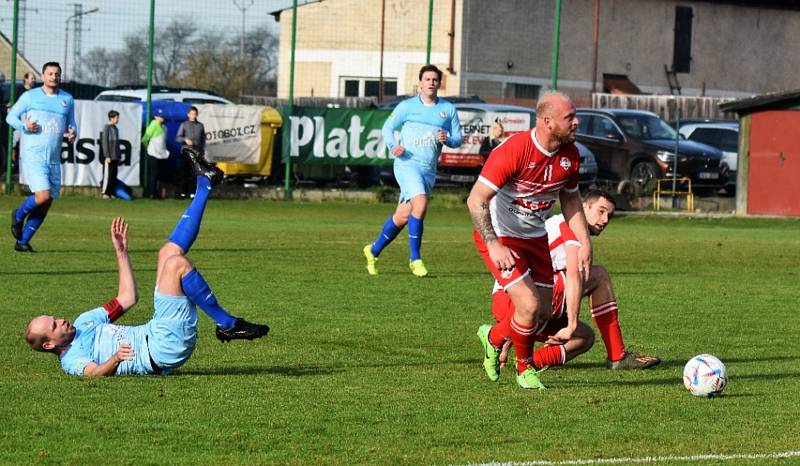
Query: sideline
pixel 652 459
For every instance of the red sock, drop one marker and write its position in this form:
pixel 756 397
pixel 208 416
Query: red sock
pixel 549 356
pixel 500 332
pixel 502 306
pixel 522 339
pixel 605 316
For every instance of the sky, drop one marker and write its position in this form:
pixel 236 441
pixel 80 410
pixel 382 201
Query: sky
pixel 45 21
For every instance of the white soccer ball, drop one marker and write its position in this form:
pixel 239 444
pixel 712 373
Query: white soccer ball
pixel 705 375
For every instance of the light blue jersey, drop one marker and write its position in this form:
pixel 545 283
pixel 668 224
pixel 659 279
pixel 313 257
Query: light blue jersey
pixel 97 340
pixel 420 122
pixel 53 113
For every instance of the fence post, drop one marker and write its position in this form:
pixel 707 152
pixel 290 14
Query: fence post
pixel 287 187
pixel 148 104
pixel 556 39
pixel 430 28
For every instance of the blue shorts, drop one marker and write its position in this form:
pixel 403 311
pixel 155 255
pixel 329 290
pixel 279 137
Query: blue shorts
pixel 42 175
pixel 413 179
pixel 172 333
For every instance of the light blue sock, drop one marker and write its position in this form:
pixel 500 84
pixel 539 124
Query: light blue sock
pixel 414 236
pixel 188 226
pixel 197 290
pixel 26 207
pixel 388 233
pixel 35 219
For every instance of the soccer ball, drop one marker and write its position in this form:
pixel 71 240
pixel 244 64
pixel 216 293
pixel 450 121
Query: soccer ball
pixel 705 375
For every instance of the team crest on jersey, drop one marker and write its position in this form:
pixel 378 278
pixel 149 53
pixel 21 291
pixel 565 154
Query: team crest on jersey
pixel 64 103
pixel 506 274
pixel 88 324
pixel 442 114
pixel 565 163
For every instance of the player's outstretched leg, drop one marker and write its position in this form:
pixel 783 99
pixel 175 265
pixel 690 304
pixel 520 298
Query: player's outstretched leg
pixel 188 226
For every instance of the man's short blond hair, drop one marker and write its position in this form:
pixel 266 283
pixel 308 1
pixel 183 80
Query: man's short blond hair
pixel 547 101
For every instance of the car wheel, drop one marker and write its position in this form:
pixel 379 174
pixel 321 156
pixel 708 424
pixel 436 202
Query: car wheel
pixel 644 176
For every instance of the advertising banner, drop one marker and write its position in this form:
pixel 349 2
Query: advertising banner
pixel 335 136
pixel 82 162
pixel 475 128
pixel 233 132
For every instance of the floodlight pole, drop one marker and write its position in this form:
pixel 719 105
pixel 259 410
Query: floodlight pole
pixel 66 37
pixel 12 88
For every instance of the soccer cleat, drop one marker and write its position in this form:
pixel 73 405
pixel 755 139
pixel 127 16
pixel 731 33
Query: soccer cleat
pixel 418 268
pixel 201 167
pixel 19 247
pixel 491 356
pixel 372 261
pixel 632 360
pixel 529 380
pixel 242 330
pixel 16 227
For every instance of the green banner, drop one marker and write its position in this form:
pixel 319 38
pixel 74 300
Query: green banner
pixel 314 135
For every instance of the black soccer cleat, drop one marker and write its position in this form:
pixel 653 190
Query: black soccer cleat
pixel 16 227
pixel 201 166
pixel 19 247
pixel 242 330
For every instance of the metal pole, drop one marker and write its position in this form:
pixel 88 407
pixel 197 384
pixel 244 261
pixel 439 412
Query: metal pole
pixel 675 160
pixel 12 88
pixel 66 41
pixel 383 32
pixel 596 39
pixel 556 36
pixel 430 29
pixel 287 187
pixel 148 103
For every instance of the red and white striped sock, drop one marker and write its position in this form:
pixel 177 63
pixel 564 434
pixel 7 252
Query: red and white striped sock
pixel 606 319
pixel 523 340
pixel 549 356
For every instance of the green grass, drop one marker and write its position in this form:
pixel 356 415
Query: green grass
pixel 387 369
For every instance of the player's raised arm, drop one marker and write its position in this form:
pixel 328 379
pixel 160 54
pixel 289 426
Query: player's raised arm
pixel 127 295
pixel 572 208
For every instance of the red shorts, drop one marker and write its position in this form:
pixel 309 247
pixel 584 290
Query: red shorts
pixel 534 259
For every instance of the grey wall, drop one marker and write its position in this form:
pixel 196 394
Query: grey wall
pixel 736 50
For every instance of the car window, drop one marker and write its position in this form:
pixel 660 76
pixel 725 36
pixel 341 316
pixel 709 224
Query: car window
pixel 583 123
pixel 708 136
pixel 117 98
pixel 729 140
pixel 603 127
pixel 646 127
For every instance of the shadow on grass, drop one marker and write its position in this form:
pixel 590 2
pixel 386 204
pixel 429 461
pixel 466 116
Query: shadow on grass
pixel 301 371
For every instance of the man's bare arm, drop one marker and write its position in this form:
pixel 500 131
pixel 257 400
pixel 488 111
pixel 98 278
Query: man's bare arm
pixel 478 204
pixel 109 367
pixel 572 208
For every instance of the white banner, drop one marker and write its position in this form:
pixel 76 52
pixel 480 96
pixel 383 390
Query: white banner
pixel 81 162
pixel 233 132
pixel 475 126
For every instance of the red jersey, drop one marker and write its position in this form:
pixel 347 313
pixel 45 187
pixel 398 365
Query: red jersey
pixel 527 180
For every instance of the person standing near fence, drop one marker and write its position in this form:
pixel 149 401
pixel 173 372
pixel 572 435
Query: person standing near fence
pixel 109 146
pixel 49 115
pixel 191 134
pixel 155 140
pixel 428 122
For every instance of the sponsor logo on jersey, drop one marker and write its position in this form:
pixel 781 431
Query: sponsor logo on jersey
pixel 532 165
pixel 565 163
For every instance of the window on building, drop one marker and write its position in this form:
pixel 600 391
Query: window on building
pixel 368 87
pixel 682 51
pixel 524 91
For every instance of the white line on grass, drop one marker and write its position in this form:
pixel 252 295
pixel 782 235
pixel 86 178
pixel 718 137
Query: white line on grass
pixel 654 459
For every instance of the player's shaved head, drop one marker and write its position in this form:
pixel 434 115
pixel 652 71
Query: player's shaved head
pixel 551 101
pixel 34 332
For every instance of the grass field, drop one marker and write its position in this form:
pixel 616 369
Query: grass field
pixel 387 369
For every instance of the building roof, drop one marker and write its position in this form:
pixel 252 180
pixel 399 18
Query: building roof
pixel 769 101
pixel 23 65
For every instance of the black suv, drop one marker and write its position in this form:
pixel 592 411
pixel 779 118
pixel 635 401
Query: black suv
pixel 636 148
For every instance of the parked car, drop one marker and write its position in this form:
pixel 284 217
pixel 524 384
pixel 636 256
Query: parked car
pixel 724 135
pixel 136 94
pixel 635 148
pixel 588 167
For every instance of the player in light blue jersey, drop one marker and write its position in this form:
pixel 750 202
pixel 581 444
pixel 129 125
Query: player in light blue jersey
pixel 426 123
pixel 42 115
pixel 94 346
